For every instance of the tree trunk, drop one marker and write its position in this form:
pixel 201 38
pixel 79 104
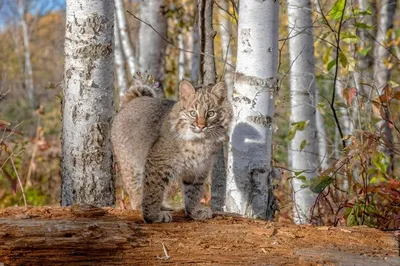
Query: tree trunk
pixel 365 62
pixel 119 62
pixel 124 35
pixel 209 76
pixel 210 71
pixel 322 138
pixel 226 45
pixel 249 180
pixel 28 73
pixel 195 58
pixel 317 6
pixel 303 147
pixel 382 72
pixel 385 23
pixel 151 45
pixel 87 163
pixel 201 15
pixel 345 115
pixel 347 126
pixel 181 58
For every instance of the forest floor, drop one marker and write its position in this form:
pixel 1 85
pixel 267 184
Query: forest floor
pixel 92 236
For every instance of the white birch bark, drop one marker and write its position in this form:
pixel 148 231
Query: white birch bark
pixel 119 62
pixel 124 35
pixel 87 164
pixel 28 73
pixel 346 124
pixel 381 71
pixel 225 31
pixel 181 58
pixel 151 45
pixel 249 189
pixel 365 63
pixel 317 6
pixel 302 89
pixel 322 138
pixel 381 53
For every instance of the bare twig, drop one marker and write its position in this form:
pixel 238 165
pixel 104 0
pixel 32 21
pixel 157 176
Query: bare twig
pixel 233 16
pixel 3 95
pixel 332 104
pixel 234 6
pixel 326 20
pixel 28 181
pixel 165 252
pixel 173 45
pixel 227 51
pixel 19 181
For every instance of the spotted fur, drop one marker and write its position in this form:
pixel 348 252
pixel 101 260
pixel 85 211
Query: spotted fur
pixel 157 140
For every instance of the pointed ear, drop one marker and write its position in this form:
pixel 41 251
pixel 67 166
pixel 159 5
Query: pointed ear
pixel 220 90
pixel 186 90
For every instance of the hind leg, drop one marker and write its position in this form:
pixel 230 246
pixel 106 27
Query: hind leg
pixel 132 185
pixel 135 198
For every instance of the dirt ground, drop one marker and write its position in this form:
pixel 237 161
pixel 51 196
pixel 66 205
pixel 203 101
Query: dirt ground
pixel 92 236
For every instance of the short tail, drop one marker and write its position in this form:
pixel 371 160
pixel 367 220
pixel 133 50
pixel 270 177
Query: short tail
pixel 143 85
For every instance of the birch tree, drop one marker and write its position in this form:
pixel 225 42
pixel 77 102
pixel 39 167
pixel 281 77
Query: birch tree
pixel 181 58
pixel 320 124
pixel 151 45
pixel 303 146
pixel 28 73
pixel 87 165
pixel 385 23
pixel 322 138
pixel 124 35
pixel 382 71
pixel 365 61
pixel 248 188
pixel 119 61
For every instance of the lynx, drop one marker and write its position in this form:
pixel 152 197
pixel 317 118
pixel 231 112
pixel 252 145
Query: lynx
pixel 156 140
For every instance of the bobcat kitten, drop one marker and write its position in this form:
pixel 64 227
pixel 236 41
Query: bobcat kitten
pixel 156 140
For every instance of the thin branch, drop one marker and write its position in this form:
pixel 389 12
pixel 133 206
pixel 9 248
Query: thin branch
pixel 332 104
pixel 388 50
pixel 234 6
pixel 174 46
pixel 19 181
pixel 233 16
pixel 326 20
pixel 165 253
pixel 226 58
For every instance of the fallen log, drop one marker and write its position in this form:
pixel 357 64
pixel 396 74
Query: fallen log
pixel 92 236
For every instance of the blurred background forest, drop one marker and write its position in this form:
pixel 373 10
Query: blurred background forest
pixel 31 120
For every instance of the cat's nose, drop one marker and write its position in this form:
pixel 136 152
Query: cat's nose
pixel 201 126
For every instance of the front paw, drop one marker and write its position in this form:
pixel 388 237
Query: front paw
pixel 201 213
pixel 161 217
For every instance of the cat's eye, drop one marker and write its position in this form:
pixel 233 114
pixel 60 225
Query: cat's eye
pixel 210 113
pixel 193 113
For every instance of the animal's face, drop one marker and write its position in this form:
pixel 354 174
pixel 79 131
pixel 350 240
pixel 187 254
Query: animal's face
pixel 204 113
